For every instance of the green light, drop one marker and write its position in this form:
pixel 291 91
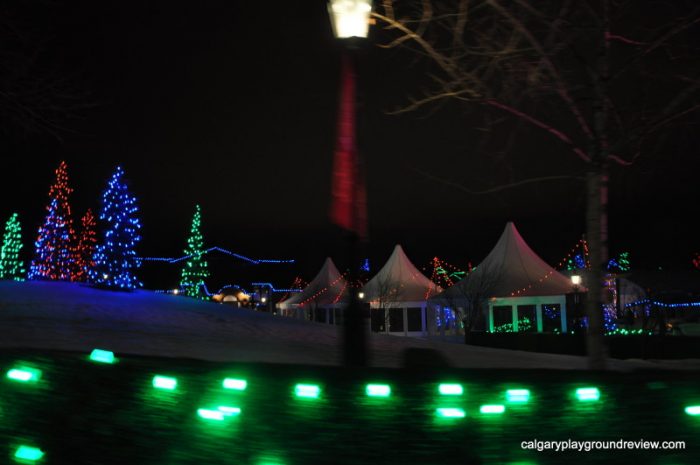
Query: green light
pixel 450 412
pixel 102 356
pixel 451 389
pixel 518 396
pixel 693 410
pixel 237 384
pixel 24 374
pixel 164 382
pixel 307 390
pixel 378 390
pixel 219 414
pixel 587 394
pixel 492 409
pixel 229 411
pixel 28 453
pixel 208 414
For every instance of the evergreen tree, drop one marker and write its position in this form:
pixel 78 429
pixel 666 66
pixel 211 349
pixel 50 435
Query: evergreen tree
pixel 11 267
pixel 196 269
pixel 115 260
pixel 85 249
pixel 54 248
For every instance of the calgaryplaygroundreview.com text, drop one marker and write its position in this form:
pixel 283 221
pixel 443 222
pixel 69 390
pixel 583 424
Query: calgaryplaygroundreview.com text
pixel 588 446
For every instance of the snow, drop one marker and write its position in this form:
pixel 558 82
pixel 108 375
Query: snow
pixel 74 317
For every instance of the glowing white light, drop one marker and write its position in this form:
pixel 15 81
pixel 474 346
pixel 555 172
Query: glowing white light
pixel 576 280
pixel 350 18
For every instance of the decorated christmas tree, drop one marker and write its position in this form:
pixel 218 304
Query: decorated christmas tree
pixel 115 260
pixel 85 249
pixel 54 247
pixel 196 269
pixel 11 267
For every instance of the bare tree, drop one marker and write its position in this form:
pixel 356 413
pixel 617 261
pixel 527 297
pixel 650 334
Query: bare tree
pixel 388 295
pixel 472 294
pixel 601 78
pixel 37 94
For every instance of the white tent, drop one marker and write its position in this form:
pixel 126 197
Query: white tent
pixel 322 299
pixel 398 297
pixel 522 290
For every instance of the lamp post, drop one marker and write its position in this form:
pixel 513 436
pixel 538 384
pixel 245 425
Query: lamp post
pixel 350 22
pixel 576 281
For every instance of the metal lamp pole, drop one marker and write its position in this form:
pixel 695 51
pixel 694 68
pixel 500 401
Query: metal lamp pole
pixel 350 21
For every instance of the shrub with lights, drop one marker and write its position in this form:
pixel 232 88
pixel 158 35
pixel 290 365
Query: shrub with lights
pixel 115 259
pixel 54 255
pixel 11 267
pixel 196 269
pixel 85 250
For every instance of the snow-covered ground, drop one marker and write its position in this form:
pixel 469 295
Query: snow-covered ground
pixel 64 316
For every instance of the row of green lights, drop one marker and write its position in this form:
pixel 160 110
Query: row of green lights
pixel 25 373
pixel 30 374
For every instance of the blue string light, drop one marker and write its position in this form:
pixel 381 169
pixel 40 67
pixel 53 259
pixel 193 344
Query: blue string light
pixel 365 265
pixel 216 249
pixel 273 289
pixel 662 304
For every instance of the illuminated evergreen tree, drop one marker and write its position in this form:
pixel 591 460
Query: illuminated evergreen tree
pixel 196 269
pixel 85 249
pixel 11 267
pixel 115 260
pixel 54 247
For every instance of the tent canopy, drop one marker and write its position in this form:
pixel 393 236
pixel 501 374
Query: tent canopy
pixel 327 288
pixel 511 269
pixel 399 281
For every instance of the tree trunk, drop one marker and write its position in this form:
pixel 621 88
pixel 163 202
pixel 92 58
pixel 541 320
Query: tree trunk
pixel 596 229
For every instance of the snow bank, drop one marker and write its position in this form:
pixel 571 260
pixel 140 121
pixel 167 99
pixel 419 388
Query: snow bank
pixel 66 316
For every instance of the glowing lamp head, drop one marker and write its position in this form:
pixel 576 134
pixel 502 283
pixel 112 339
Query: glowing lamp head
pixel 263 300
pixel 576 280
pixel 361 295
pixel 350 18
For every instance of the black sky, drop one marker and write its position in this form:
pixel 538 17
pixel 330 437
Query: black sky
pixel 231 104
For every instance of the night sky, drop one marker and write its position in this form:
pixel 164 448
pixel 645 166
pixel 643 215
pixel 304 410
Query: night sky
pixel 231 104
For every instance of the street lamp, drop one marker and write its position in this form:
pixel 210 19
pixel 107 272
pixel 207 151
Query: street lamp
pixel 576 281
pixel 350 18
pixel 350 21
